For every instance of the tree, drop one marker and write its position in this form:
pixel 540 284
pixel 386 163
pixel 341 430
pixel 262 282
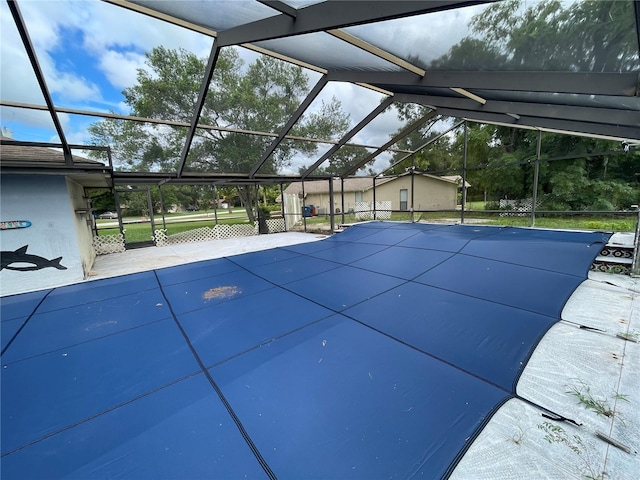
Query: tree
pixel 594 36
pixel 588 36
pixel 340 162
pixel 259 97
pixel 102 200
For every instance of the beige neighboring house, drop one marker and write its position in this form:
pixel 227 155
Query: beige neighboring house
pixel 429 192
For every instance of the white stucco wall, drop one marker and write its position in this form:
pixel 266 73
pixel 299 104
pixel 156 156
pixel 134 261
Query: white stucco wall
pixel 44 201
pixel 83 224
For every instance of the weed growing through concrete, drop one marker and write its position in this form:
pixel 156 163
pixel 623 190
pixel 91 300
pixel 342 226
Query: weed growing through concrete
pixel 600 406
pixel 631 336
pixel 557 434
pixel 518 437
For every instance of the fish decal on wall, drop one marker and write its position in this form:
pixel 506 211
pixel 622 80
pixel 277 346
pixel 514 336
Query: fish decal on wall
pixel 20 255
pixel 12 224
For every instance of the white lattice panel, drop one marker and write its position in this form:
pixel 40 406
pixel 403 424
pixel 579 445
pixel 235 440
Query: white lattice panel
pixel 363 211
pixel 383 210
pixel 518 208
pixel 276 225
pixel 160 237
pixel 105 244
pixel 205 234
pixel 233 231
pixel 202 234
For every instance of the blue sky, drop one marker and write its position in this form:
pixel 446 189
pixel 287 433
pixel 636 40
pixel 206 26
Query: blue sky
pixel 90 51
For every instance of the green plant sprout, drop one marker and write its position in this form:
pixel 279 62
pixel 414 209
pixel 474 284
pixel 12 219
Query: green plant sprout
pixel 600 406
pixel 631 336
pixel 556 434
pixel 621 396
pixel 518 437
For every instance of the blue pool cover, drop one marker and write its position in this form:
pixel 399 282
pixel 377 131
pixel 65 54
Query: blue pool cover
pixel 380 352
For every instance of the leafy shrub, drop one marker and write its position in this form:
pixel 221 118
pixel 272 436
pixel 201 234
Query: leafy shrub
pixel 602 205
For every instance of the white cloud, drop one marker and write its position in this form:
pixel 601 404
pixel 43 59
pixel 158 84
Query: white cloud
pixel 136 32
pixel 380 129
pixel 121 68
pixel 426 36
pixel 116 39
pixel 23 117
pixel 71 87
pixel 19 83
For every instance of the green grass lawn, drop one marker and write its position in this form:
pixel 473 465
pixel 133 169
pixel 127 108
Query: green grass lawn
pixel 615 223
pixel 571 223
pixel 141 232
pixel 475 205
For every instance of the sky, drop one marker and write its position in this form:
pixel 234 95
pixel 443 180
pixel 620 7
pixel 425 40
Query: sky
pixel 90 51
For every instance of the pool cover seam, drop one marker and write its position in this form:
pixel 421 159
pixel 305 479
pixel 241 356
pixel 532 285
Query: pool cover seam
pixel 246 269
pixel 492 301
pixel 90 302
pixel 509 393
pixel 342 312
pixel 391 337
pixel 167 284
pixel 98 414
pixel 271 340
pixel 15 335
pixel 413 279
pixel 524 266
pixel 86 341
pixel 218 390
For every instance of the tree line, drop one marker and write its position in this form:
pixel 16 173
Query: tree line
pixel 262 96
pixel 586 36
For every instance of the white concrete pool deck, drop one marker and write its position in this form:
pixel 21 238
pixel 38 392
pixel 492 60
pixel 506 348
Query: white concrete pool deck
pixel 151 258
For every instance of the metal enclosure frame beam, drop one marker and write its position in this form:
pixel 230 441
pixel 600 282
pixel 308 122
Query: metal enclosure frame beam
pixel 608 116
pixel 311 96
pixel 438 137
pixel 280 7
pixel 202 95
pixel 636 9
pixel 350 134
pixel 29 106
pixel 550 124
pixel 403 133
pixel 33 59
pixel 334 14
pixel 614 84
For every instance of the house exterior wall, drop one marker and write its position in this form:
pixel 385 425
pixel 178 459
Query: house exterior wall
pixel 83 223
pixel 321 201
pixel 318 200
pixel 44 201
pixel 429 193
